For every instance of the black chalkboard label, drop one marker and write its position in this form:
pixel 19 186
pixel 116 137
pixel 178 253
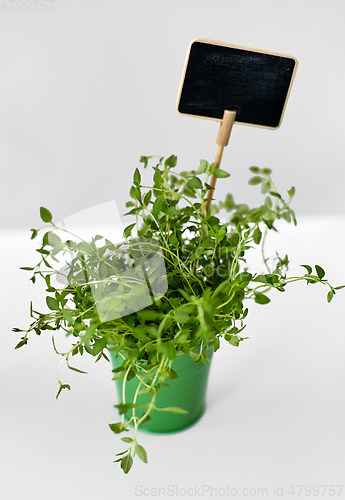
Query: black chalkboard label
pixel 219 77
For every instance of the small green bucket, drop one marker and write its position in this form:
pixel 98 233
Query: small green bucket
pixel 187 391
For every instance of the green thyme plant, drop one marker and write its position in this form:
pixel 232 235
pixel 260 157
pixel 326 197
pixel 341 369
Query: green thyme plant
pixel 209 285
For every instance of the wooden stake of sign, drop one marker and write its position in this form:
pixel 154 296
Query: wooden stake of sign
pixel 222 141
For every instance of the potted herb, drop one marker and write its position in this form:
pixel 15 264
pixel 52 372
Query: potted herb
pixel 198 291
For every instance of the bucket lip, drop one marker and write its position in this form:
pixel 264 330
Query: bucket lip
pixel 208 351
pixel 183 365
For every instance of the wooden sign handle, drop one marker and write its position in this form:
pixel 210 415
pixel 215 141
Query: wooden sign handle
pixel 222 141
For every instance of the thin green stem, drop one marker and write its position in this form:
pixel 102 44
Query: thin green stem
pixel 263 250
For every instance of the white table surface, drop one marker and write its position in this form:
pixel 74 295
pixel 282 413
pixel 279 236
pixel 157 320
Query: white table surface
pixel 276 404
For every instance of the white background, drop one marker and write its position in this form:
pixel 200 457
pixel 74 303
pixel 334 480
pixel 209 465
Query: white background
pixel 87 88
pixel 276 404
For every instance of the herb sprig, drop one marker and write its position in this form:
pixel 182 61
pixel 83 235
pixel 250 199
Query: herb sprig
pixel 209 285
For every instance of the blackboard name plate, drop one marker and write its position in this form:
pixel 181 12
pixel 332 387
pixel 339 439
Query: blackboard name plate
pixel 219 76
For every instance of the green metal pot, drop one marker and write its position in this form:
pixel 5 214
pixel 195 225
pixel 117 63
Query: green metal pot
pixel 187 391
